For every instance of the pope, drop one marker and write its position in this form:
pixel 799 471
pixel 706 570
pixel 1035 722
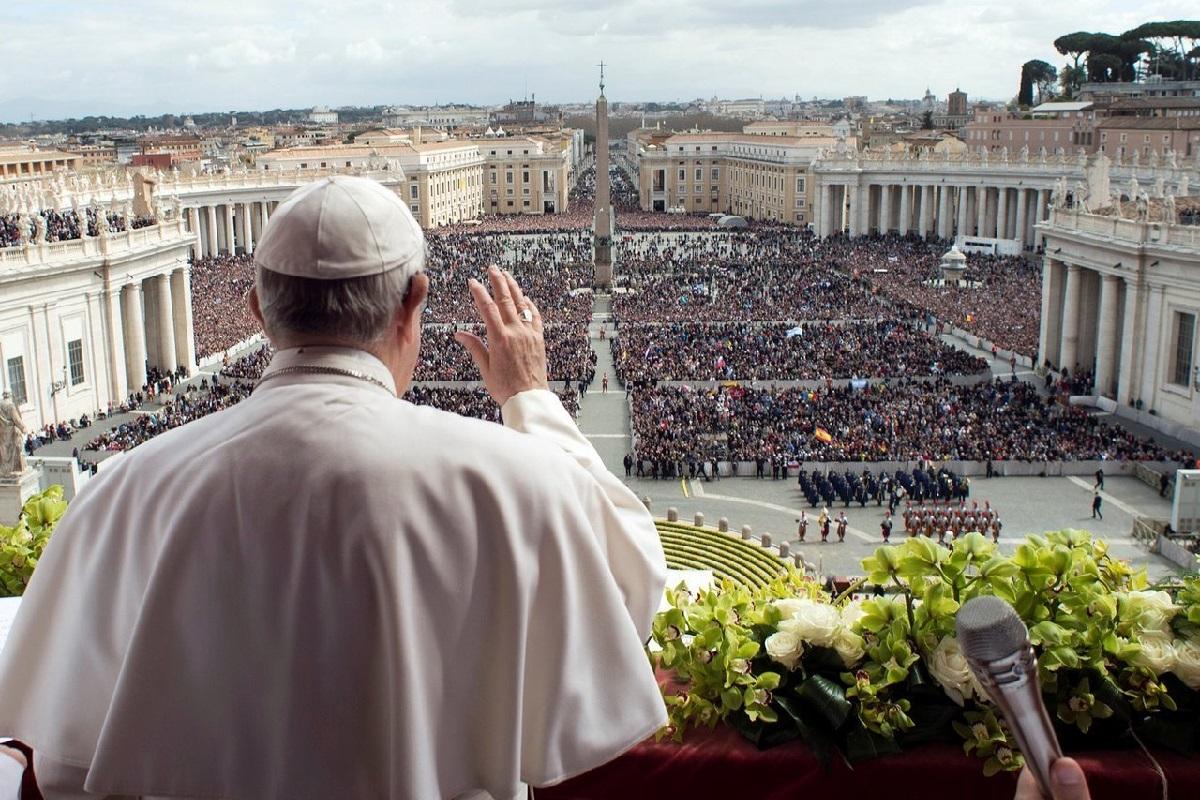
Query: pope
pixel 328 592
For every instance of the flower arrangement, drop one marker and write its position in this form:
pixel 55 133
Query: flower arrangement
pixel 22 544
pixel 1119 660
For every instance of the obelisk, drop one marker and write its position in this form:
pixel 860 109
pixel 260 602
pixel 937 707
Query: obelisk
pixel 602 223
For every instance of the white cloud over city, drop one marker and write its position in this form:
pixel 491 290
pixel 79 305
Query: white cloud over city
pixel 145 56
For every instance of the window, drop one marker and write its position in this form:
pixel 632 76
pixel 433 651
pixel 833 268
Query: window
pixel 413 191
pixel 16 380
pixel 1185 331
pixel 716 173
pixel 75 360
pixel 699 173
pixel 683 174
pixel 508 177
pixel 347 163
pixel 525 176
pixel 799 185
pixel 493 179
pixel 416 209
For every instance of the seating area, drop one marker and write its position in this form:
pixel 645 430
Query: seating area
pixel 726 556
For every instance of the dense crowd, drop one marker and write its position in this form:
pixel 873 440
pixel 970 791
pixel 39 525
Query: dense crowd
pixel 476 402
pixel 569 356
pixel 680 351
pixel 188 405
pixel 1001 301
pixel 220 316
pixel 60 226
pixel 902 420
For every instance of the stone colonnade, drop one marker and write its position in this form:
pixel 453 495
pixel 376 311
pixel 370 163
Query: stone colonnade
pixel 1089 324
pixel 228 228
pixel 152 326
pixel 943 209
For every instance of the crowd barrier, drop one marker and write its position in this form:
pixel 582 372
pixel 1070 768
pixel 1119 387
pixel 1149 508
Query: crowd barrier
pixel 1016 469
pixel 1174 551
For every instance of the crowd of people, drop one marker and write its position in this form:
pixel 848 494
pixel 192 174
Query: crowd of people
pixel 569 355
pixel 999 298
pixel 221 317
pixel 903 420
pixel 186 405
pixel 680 351
pixel 51 226
pixel 475 402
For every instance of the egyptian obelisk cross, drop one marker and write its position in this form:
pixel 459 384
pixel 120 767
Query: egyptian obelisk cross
pixel 602 223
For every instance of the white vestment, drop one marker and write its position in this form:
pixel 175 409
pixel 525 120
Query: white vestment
pixel 325 592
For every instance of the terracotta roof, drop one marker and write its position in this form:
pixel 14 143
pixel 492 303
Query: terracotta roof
pixel 1151 123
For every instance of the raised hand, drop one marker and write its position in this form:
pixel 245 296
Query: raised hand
pixel 514 358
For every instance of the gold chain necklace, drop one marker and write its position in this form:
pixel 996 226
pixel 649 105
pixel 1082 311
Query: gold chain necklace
pixel 315 370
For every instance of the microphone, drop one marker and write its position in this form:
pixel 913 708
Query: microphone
pixel 995 643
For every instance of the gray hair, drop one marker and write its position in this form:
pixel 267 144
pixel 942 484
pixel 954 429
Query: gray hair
pixel 355 309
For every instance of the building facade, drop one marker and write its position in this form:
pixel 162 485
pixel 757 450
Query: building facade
pixel 1121 298
pixel 756 176
pixel 525 175
pixel 80 321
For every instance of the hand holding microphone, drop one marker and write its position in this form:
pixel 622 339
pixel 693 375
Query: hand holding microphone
pixel 996 644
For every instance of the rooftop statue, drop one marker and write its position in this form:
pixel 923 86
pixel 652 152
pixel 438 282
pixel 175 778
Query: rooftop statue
pixel 12 437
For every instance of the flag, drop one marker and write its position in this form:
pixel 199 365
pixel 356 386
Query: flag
pixel 796 331
pixel 823 435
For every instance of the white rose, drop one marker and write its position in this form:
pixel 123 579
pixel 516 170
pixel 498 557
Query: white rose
pixel 1187 662
pixel 852 613
pixel 1152 611
pixel 817 624
pixel 785 647
pixel 949 668
pixel 849 645
pixel 1156 654
pixel 793 606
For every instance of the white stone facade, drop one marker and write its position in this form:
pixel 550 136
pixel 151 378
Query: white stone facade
pixel 1121 298
pixel 81 320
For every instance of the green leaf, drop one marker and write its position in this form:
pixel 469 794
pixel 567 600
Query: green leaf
pixel 826 698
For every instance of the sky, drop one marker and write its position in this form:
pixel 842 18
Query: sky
pixel 125 57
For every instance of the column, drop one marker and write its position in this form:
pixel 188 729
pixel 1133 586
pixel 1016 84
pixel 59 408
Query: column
pixel 1048 340
pixel 824 228
pixel 1069 351
pixel 960 226
pixel 247 233
pixel 230 242
pixel 165 327
pixel 210 213
pixel 905 209
pixel 943 223
pixel 1152 344
pixel 118 388
pixel 1022 232
pixel 1002 213
pixel 853 199
pixel 923 212
pixel 1127 374
pixel 981 211
pixel 181 312
pixel 885 208
pixel 262 218
pixel 135 336
pixel 1106 335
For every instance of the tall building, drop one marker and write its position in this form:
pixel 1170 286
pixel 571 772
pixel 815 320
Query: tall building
pixel 956 103
pixel 602 224
pixel 751 175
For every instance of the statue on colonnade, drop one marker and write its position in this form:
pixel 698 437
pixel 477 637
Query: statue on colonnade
pixel 12 437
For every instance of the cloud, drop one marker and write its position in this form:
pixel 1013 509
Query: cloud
pixel 225 54
pixel 368 51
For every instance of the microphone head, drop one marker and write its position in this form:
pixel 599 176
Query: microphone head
pixel 988 629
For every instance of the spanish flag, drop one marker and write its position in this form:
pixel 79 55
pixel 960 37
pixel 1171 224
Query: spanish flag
pixel 823 435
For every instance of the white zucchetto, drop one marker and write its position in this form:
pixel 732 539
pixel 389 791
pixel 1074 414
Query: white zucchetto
pixel 341 227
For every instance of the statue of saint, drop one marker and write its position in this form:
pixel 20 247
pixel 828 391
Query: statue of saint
pixel 12 437
pixel 39 229
pixel 1143 207
pixel 1170 216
